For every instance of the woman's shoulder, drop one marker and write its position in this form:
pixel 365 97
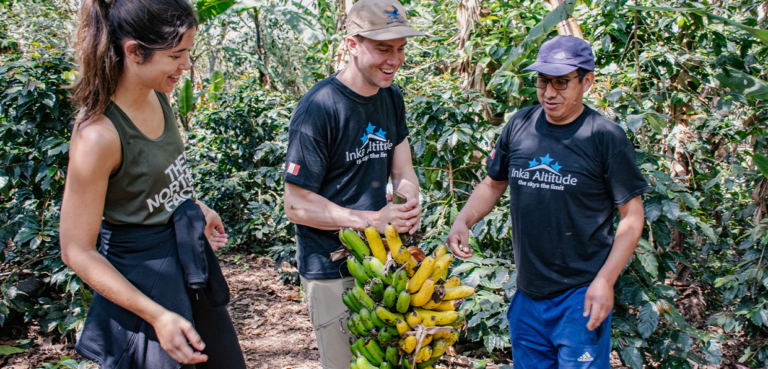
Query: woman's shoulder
pixel 96 137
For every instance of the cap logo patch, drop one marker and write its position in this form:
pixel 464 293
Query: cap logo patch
pixel 394 15
pixel 560 55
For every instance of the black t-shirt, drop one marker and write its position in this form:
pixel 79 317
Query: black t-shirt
pixel 340 146
pixel 564 182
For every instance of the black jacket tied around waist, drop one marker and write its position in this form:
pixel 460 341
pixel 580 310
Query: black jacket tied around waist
pixel 167 263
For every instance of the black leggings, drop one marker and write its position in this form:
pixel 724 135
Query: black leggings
pixel 215 327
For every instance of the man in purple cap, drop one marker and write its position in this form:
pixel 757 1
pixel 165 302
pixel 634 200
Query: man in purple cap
pixel 567 168
pixel 348 138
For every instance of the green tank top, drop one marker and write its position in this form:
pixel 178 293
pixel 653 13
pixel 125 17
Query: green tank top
pixel 153 178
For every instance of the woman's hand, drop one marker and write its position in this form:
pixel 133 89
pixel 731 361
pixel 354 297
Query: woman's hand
pixel 214 228
pixel 175 335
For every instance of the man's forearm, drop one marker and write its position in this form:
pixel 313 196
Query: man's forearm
pixel 484 197
pixel 312 210
pixel 627 235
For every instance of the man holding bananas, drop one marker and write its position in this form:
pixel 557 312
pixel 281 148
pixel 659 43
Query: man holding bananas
pixel 347 139
pixel 567 168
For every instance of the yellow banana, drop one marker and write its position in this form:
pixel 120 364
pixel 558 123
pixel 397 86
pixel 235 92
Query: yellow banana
pixel 454 281
pixel 431 305
pixel 408 344
pixel 402 326
pixel 412 318
pixel 447 305
pixel 410 266
pixel 440 251
pixel 399 253
pixel 374 241
pixel 441 266
pixel 433 318
pixel 421 275
pixel 424 354
pixel 439 347
pixel 458 292
pixel 425 293
pixel 453 338
pixel 427 340
pixel 442 335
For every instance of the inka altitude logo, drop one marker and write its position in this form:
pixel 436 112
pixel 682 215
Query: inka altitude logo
pixel 393 14
pixel 542 174
pixel 375 145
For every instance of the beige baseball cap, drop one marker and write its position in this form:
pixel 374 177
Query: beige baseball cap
pixel 379 20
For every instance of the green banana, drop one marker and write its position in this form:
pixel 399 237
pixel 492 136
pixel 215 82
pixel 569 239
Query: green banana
pixel 355 243
pixel 365 357
pixel 364 363
pixel 353 364
pixel 351 305
pixel 365 300
pixel 377 268
pixel 358 322
pixel 367 266
pixel 385 365
pixel 375 350
pixel 357 270
pixel 400 280
pixel 384 337
pixel 351 327
pixel 365 318
pixel 388 317
pixel 377 321
pixel 403 301
pixel 390 297
pixel 392 355
pixel 377 289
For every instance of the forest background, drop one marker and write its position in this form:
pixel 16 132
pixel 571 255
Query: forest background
pixel 686 80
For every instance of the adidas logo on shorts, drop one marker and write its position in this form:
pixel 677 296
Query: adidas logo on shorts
pixel 586 357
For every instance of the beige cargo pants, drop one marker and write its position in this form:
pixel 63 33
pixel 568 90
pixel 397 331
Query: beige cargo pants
pixel 326 311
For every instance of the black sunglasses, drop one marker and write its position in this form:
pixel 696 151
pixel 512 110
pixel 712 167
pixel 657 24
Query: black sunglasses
pixel 557 83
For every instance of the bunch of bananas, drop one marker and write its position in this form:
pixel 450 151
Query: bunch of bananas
pixel 404 311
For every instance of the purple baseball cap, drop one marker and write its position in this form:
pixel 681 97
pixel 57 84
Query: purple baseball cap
pixel 562 55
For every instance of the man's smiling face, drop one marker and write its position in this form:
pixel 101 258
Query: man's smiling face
pixel 379 60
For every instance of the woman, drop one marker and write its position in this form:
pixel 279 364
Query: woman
pixel 127 177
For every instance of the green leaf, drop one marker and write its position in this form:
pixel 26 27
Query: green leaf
pixel 649 319
pixel 217 82
pixel 652 210
pixel 463 268
pixel 707 230
pixel 10 350
pixel 632 357
pixel 209 9
pixel 743 83
pixel 760 161
pixel 635 121
pixel 186 98
pixel 649 262
pixel 671 208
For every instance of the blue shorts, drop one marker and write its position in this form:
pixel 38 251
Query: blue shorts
pixel 553 333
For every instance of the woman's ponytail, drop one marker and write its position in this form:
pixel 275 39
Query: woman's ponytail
pixel 103 27
pixel 99 67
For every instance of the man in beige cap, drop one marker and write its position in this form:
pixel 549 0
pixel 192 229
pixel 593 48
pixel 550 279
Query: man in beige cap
pixel 348 138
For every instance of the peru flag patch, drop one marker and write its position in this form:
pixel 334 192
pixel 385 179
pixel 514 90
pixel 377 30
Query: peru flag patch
pixel 293 168
pixel 493 154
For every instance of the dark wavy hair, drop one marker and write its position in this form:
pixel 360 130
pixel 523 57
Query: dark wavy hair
pixel 103 27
